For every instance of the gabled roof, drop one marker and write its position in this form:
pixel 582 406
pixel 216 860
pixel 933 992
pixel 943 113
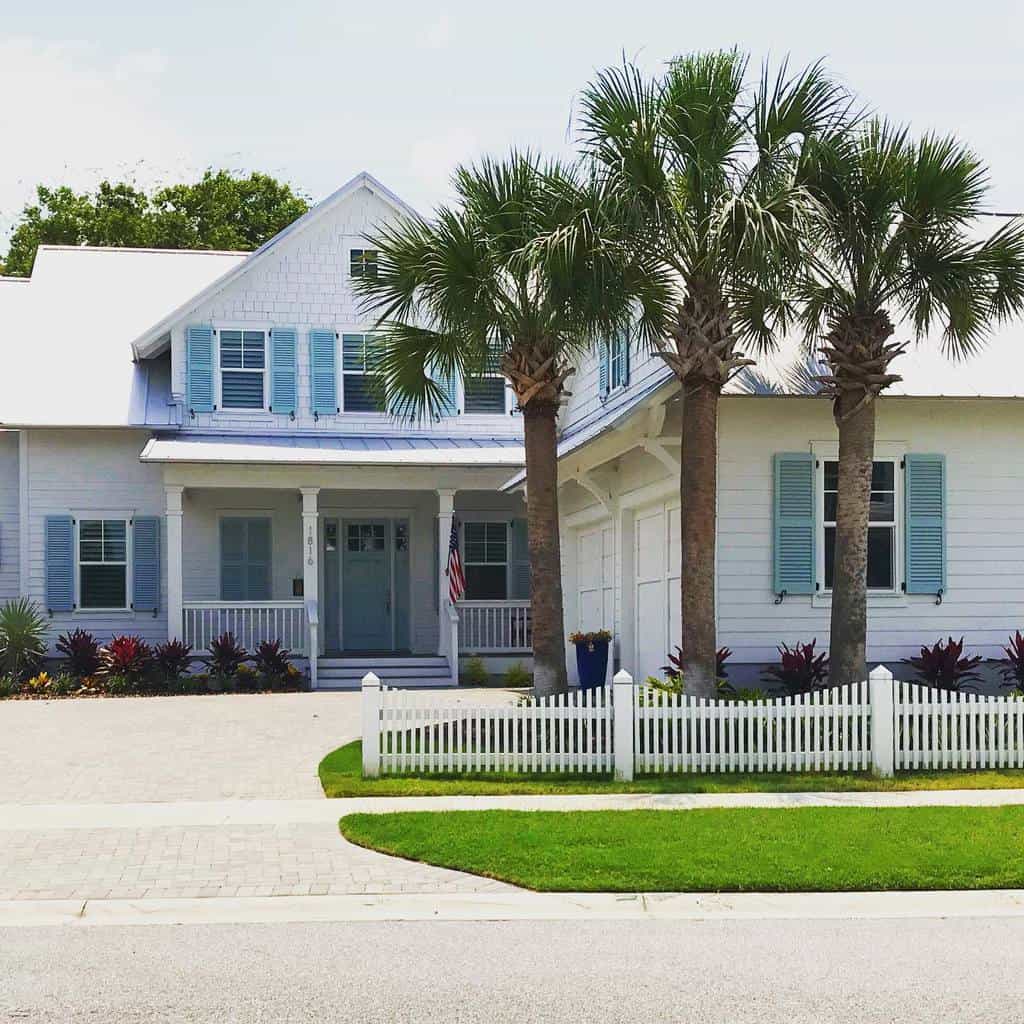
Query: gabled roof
pixel 153 340
pixel 63 333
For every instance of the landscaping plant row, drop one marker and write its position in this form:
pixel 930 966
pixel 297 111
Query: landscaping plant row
pixel 128 664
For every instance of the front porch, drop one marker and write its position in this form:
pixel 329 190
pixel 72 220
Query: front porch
pixel 347 577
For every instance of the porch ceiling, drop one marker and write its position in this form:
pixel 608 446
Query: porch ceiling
pixel 336 451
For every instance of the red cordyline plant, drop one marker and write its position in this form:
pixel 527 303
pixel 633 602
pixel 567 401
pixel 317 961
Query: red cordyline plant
pixel 1012 669
pixel 271 660
pixel 674 669
pixel 799 670
pixel 82 650
pixel 127 657
pixel 943 665
pixel 226 655
pixel 172 659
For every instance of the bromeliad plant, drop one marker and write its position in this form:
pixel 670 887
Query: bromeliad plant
pixel 82 651
pixel 22 639
pixel 945 666
pixel 799 670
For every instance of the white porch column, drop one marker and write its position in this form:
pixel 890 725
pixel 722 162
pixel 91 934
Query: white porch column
pixel 445 512
pixel 310 568
pixel 175 586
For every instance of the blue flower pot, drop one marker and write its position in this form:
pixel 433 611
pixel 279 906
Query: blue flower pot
pixel 592 664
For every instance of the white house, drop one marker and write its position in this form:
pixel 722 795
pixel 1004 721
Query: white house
pixel 947 533
pixel 188 445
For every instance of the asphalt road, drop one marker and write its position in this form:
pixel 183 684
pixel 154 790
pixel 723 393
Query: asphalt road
pixel 730 971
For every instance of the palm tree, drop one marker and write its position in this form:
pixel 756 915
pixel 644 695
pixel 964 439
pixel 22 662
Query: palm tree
pixel 711 170
pixel 525 272
pixel 892 239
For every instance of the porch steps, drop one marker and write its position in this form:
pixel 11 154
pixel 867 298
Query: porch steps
pixel 346 673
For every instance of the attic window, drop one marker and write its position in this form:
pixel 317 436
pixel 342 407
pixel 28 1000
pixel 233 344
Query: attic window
pixel 363 262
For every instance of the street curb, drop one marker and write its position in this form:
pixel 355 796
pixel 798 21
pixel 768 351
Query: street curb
pixel 526 906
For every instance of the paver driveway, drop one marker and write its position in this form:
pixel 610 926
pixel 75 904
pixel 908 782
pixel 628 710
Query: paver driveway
pixel 134 750
pixel 183 750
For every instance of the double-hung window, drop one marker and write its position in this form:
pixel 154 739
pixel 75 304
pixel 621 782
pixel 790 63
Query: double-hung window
pixel 485 549
pixel 103 563
pixel 243 369
pixel 882 532
pixel 362 262
pixel 357 354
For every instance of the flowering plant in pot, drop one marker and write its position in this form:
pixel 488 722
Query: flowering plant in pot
pixel 591 657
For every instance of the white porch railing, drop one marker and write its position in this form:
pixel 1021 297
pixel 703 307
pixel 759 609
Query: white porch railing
pixel 495 627
pixel 252 622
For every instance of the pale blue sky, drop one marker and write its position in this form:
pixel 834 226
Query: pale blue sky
pixel 315 91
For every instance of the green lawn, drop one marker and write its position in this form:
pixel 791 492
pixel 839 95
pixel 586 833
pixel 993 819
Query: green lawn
pixel 749 849
pixel 341 775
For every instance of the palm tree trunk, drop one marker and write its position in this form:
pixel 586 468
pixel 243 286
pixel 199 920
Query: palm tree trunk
pixel 698 483
pixel 539 425
pixel 849 585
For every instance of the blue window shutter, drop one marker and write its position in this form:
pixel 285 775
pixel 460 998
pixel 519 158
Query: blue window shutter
pixel 146 563
pixel 794 566
pixel 603 376
pixel 518 562
pixel 323 371
pixel 199 368
pixel 283 370
pixel 59 556
pixel 449 392
pixel 925 514
pixel 258 560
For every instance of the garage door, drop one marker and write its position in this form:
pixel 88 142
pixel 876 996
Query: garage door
pixel 656 601
pixel 595 579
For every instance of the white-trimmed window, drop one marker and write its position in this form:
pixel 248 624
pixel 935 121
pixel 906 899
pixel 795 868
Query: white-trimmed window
pixel 484 394
pixel 357 385
pixel 362 262
pixel 883 531
pixel 243 369
pixel 485 558
pixel 618 361
pixel 104 562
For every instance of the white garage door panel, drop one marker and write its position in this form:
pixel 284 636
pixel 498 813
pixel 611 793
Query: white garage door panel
pixel 650 546
pixel 657 558
pixel 650 632
pixel 595 567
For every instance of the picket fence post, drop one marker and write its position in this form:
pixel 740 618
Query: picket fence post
pixel 622 731
pixel 883 750
pixel 371 704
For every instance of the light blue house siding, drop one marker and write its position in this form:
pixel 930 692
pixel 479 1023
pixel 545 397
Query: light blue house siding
pixel 9 533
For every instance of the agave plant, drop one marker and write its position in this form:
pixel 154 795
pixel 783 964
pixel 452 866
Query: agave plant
pixel 22 638
pixel 944 665
pixel 82 650
pixel 799 670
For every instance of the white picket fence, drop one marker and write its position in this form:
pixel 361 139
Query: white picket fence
pixel 410 731
pixel 879 725
pixel 937 729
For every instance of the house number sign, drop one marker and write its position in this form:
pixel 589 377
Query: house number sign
pixel 309 544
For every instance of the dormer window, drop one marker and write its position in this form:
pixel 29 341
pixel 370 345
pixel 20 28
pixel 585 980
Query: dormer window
pixel 243 368
pixel 363 262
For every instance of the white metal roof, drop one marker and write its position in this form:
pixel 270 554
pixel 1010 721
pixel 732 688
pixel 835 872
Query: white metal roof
pixel 64 335
pixel 337 451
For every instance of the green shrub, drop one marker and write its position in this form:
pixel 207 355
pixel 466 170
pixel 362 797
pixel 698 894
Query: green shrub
pixel 518 676
pixel 474 673
pixel 8 686
pixel 22 638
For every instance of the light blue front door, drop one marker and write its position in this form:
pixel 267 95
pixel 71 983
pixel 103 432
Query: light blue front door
pixel 366 586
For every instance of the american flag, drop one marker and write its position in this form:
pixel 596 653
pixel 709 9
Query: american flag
pixel 456 578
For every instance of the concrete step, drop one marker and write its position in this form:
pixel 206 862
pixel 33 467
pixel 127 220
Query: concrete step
pixel 369 661
pixel 346 673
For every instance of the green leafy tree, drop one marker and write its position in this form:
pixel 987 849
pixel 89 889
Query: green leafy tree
pixel 220 211
pixel 893 239
pixel 527 270
pixel 711 169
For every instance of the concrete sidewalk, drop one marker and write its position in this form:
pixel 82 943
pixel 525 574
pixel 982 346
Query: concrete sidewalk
pixel 519 905
pixel 194 813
